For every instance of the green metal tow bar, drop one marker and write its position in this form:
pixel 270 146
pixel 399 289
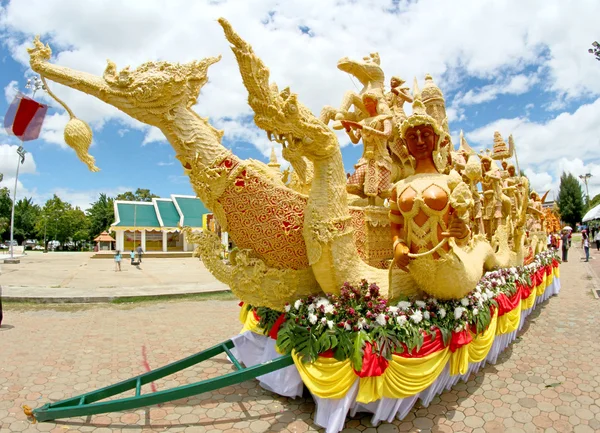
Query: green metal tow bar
pixel 90 404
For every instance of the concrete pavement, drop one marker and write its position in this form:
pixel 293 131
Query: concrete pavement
pixel 547 381
pixel 75 277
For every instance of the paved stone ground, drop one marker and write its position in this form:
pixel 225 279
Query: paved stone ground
pixel 76 275
pixel 547 381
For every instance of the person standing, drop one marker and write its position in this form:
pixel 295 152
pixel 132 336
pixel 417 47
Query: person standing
pixel 597 239
pixel 585 243
pixel 564 238
pixel 118 261
pixel 140 251
pixel 132 255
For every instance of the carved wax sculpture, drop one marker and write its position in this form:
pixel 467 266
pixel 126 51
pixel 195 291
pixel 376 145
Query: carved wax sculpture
pixel 396 98
pixel 372 177
pixel 302 238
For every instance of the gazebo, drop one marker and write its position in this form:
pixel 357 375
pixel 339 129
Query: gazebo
pixel 104 242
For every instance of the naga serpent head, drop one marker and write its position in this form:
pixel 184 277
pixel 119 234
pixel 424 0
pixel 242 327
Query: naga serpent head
pixel 148 93
pixel 280 114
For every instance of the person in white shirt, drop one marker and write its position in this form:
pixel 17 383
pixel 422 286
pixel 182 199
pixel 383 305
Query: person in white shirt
pixel 597 239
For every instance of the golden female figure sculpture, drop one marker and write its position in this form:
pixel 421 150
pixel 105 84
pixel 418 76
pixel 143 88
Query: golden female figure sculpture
pixel 429 224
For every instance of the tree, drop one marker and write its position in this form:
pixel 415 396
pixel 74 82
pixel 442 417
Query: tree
pixel 26 216
pixel 53 221
pixel 76 225
pixel 594 202
pixel 570 199
pixel 139 195
pixel 5 209
pixel 101 215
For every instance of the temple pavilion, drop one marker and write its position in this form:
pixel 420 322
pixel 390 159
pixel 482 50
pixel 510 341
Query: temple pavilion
pixel 156 225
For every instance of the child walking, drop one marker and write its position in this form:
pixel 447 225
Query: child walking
pixel 118 261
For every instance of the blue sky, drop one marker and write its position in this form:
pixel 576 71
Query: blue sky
pixel 510 67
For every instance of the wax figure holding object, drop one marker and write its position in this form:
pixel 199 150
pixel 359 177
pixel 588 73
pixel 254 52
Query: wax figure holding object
pixel 374 169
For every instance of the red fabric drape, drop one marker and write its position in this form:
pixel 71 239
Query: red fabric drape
pixel 506 304
pixel 275 329
pixel 373 365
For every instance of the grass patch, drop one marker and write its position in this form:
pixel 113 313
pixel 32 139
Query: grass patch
pixel 210 296
pixel 126 302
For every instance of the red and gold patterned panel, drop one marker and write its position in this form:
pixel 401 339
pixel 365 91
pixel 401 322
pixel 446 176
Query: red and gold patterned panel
pixel 373 242
pixel 265 218
pixel 360 232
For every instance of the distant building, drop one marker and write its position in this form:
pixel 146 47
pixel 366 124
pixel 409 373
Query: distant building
pixel 548 204
pixel 156 225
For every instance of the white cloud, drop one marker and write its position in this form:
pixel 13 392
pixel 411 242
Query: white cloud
pixel 516 85
pixel 154 135
pixel 484 39
pixel 11 90
pixel 9 159
pixel 80 198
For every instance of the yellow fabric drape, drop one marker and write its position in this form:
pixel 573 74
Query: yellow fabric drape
pixel 509 322
pixel 249 321
pixel 557 272
pixel 326 377
pixel 476 351
pixel 549 279
pixel 542 287
pixel 528 302
pixel 405 377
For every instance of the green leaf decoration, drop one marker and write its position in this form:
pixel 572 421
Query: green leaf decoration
pixel 359 340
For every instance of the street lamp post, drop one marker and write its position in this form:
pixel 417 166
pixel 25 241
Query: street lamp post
pixel 21 152
pixel 585 178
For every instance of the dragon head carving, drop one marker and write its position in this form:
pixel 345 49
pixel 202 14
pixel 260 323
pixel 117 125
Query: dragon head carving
pixel 148 93
pixel 280 114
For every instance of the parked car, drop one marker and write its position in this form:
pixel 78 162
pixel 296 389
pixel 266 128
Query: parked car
pixel 38 248
pixel 3 246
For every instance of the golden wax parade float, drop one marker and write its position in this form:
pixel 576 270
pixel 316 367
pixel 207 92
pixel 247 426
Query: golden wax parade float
pixel 382 286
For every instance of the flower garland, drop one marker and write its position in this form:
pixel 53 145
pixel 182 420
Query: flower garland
pixel 341 325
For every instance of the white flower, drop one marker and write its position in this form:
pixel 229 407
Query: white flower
pixel 297 304
pixel 329 309
pixel 464 302
pixel 477 295
pixel 401 320
pixel 393 310
pixel 458 328
pixel 420 304
pixel 287 308
pixel 324 321
pixel 404 305
pixel 426 315
pixel 380 319
pixel 489 294
pixel 312 318
pixel 330 324
pixel 322 302
pixel 484 297
pixel 416 317
pixel 442 312
pixel 475 311
pixel 347 326
pixel 458 312
pixel 311 308
pixel 361 323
